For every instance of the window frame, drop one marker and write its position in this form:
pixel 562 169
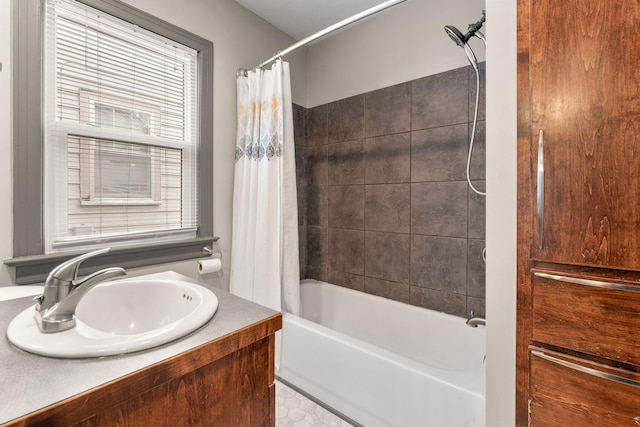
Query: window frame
pixel 31 264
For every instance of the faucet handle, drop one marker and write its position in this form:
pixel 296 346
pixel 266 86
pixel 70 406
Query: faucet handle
pixel 68 270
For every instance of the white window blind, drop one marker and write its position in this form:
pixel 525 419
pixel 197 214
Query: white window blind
pixel 121 145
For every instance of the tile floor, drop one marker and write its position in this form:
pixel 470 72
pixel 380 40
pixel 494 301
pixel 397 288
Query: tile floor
pixel 295 410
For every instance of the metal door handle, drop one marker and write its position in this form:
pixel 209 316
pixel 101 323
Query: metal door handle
pixel 540 195
pixel 588 282
pixel 585 370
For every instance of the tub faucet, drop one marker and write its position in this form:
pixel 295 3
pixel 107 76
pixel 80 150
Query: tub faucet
pixel 474 320
pixel 56 307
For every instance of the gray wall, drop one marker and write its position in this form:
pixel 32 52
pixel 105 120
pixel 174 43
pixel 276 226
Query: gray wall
pixel 403 43
pixel 384 203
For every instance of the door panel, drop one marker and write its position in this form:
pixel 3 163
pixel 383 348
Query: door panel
pixel 585 96
pixel 571 392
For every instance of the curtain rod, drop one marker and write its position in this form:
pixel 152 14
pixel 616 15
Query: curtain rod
pixel 332 28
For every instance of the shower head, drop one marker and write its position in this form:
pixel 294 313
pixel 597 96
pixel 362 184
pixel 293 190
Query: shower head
pixel 462 39
pixel 456 35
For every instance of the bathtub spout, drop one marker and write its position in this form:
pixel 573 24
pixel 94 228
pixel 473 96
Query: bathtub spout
pixel 474 320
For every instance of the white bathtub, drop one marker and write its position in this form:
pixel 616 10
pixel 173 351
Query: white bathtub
pixel 384 363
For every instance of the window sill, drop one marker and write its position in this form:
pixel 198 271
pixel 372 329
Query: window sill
pixel 36 268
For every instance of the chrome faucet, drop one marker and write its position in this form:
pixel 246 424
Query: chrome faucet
pixel 55 311
pixel 474 320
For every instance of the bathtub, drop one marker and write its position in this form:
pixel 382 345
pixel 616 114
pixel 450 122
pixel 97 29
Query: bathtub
pixel 382 362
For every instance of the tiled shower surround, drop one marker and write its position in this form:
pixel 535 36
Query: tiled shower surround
pixel 384 205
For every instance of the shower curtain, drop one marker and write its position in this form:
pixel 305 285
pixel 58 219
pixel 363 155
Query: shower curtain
pixel 264 252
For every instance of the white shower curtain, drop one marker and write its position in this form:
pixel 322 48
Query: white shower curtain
pixel 264 252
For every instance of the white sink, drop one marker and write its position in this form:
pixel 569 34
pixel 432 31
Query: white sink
pixel 119 317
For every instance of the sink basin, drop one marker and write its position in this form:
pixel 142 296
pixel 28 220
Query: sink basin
pixel 119 317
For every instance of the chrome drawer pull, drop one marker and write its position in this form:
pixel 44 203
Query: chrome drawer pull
pixel 588 282
pixel 540 189
pixel 585 370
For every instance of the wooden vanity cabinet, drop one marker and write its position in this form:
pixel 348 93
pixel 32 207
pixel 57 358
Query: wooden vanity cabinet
pixel 578 318
pixel 227 382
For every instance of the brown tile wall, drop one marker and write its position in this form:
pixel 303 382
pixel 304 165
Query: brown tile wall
pixel 384 206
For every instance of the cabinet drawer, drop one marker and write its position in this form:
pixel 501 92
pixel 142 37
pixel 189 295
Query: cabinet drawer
pixel 594 317
pixel 572 392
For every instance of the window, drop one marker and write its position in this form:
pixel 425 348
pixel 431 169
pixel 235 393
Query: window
pixel 120 137
pixel 125 141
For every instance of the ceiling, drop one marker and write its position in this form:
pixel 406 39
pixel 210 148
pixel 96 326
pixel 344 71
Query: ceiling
pixel 301 18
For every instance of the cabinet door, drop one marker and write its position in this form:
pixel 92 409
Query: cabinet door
pixel 586 315
pixel 574 392
pixel 585 97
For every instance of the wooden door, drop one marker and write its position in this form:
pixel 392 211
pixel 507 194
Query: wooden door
pixel 585 97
